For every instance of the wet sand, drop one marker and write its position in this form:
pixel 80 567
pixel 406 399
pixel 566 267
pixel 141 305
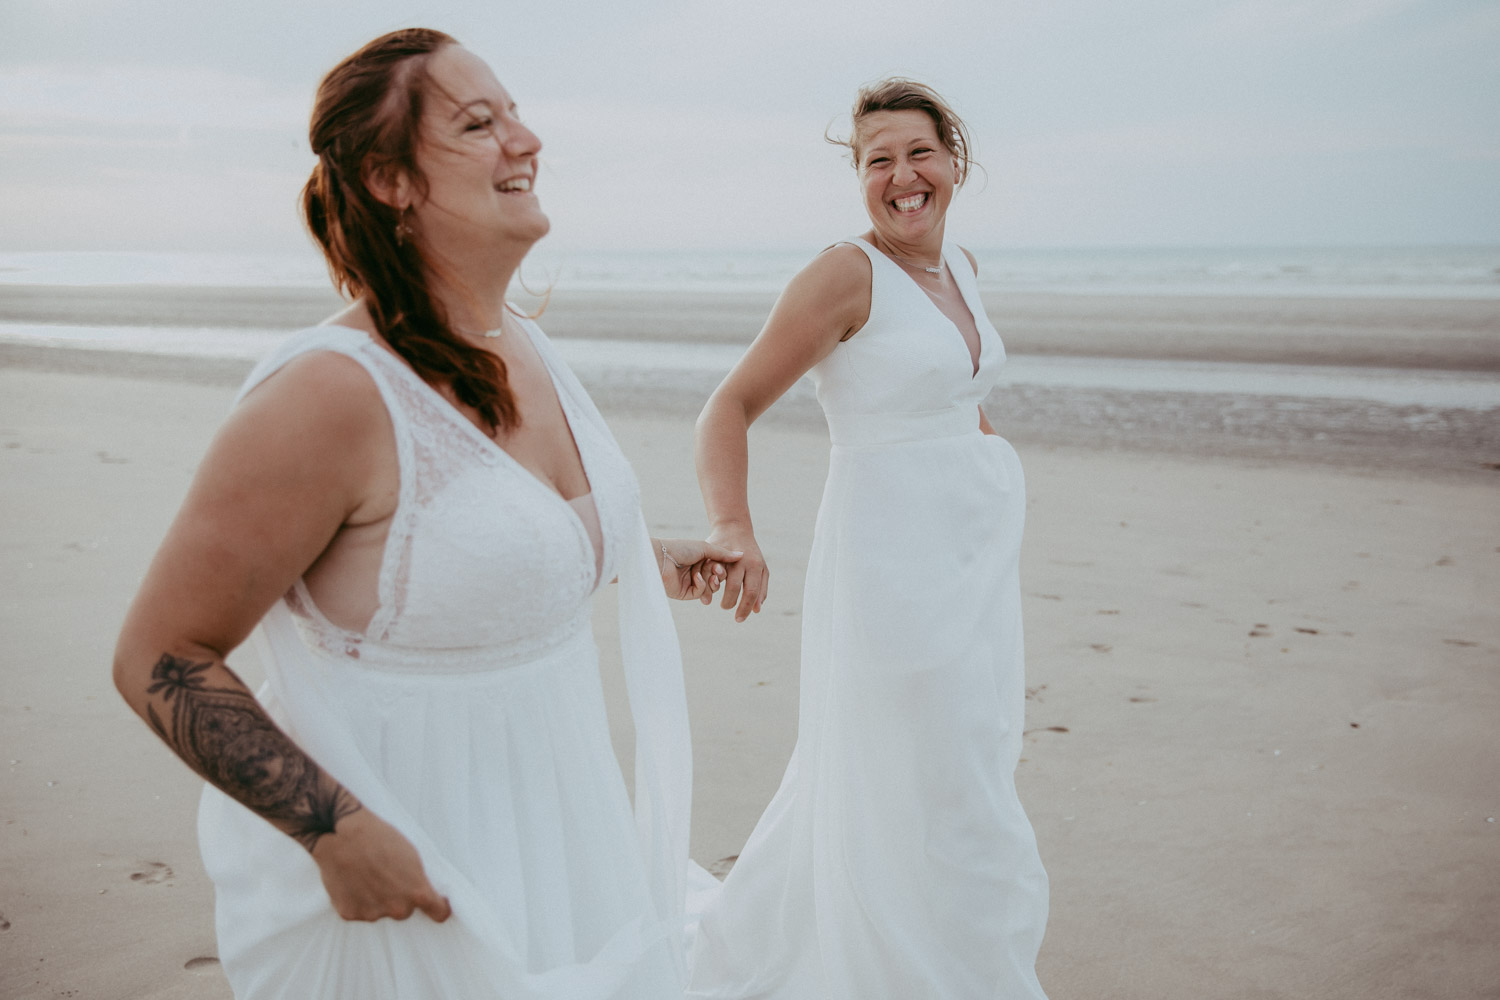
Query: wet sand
pixel 1261 745
pixel 1450 334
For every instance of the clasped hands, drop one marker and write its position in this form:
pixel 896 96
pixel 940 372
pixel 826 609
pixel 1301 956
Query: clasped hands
pixel 694 570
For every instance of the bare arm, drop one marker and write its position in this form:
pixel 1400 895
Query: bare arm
pixel 827 302
pixel 298 459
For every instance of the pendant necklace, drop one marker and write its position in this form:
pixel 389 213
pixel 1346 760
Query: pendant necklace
pixel 498 331
pixel 916 263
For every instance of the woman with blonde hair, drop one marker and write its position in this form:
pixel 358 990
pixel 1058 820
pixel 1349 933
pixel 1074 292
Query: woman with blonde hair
pixel 416 502
pixel 895 860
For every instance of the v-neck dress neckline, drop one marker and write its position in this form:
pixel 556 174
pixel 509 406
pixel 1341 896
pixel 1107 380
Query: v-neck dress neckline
pixel 976 361
pixel 569 419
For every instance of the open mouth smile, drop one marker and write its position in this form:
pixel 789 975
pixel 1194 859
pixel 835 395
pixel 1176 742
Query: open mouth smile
pixel 910 203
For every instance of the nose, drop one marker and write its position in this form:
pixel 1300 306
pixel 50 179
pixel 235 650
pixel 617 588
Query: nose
pixel 520 142
pixel 904 173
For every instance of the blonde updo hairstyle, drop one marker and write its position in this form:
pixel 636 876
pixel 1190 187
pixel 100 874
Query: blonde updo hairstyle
pixel 897 93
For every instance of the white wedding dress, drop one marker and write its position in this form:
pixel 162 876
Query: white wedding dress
pixel 895 861
pixel 469 714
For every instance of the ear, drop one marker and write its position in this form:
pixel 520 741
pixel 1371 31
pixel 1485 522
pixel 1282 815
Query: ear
pixel 389 184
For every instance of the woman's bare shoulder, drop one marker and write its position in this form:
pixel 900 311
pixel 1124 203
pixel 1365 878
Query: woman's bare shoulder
pixel 840 265
pixel 320 402
pixel 833 288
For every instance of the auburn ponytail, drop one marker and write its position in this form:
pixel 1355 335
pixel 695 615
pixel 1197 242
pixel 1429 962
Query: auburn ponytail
pixel 365 119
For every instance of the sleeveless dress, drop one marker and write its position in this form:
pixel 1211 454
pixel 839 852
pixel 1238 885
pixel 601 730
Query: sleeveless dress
pixel 895 861
pixel 469 714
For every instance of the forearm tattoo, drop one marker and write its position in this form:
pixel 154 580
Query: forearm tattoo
pixel 225 735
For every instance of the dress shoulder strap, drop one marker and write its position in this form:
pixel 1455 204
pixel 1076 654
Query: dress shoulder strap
pixel 415 476
pixel 339 339
pixel 383 367
pixel 958 263
pixel 868 250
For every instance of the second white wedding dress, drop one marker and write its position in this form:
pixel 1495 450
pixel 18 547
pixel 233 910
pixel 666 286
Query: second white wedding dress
pixel 895 861
pixel 469 714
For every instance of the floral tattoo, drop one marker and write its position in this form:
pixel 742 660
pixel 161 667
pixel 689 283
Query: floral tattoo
pixel 225 735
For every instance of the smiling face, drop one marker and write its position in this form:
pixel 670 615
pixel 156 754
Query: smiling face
pixel 907 178
pixel 478 160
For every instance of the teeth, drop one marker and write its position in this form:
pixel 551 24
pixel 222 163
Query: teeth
pixel 910 203
pixel 517 184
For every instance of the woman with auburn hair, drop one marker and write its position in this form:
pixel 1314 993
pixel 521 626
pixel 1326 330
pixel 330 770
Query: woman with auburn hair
pixel 416 501
pixel 895 860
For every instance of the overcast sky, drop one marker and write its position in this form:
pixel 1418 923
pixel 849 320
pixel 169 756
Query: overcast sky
pixel 181 124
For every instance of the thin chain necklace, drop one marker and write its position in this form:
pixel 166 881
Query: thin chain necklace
pixel 498 331
pixel 909 262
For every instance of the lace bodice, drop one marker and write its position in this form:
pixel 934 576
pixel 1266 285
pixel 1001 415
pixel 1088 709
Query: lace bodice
pixel 483 561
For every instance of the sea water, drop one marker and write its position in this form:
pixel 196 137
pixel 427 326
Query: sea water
pixel 1433 272
pixel 1461 272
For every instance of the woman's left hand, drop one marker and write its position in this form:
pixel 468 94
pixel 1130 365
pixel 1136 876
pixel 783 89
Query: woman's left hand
pixel 691 570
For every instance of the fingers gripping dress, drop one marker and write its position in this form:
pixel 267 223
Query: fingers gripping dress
pixel 469 714
pixel 895 860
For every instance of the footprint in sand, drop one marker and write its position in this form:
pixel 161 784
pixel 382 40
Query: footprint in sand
pixel 1260 629
pixel 1307 631
pixel 152 873
pixel 1460 642
pixel 1100 647
pixel 4 924
pixel 1046 729
pixel 203 965
pixel 1141 701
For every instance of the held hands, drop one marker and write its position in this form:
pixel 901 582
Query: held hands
pixel 692 570
pixel 371 871
pixel 746 583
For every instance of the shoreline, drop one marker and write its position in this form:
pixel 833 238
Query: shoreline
pixel 1352 434
pixel 1430 333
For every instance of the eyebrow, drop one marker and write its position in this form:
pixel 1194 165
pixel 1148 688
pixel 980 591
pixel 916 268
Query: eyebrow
pixel 885 148
pixel 463 108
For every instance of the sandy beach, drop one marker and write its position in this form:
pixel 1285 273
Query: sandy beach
pixel 1261 747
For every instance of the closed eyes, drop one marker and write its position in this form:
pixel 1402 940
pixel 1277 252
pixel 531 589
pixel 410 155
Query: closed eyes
pixel 877 161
